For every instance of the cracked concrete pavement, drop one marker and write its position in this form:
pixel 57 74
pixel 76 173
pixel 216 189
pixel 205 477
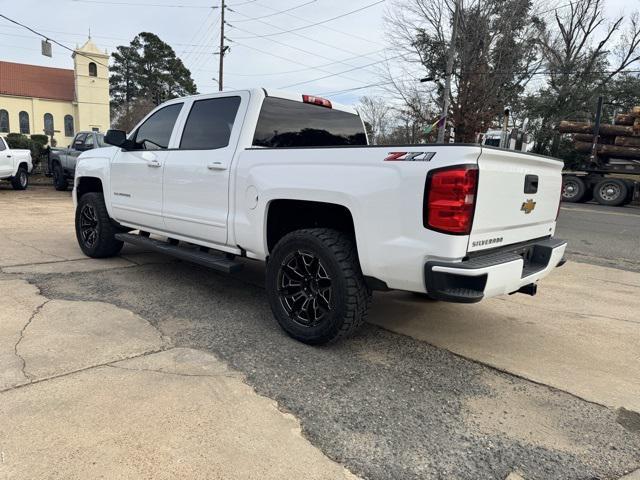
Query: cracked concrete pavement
pixel 176 412
pixel 142 367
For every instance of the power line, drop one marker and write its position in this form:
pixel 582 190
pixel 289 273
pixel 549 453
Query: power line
pixel 314 40
pixel 82 54
pixel 555 9
pixel 327 27
pixel 74 34
pixel 243 3
pixel 131 4
pixel 299 70
pixel 340 73
pixel 317 23
pixel 309 53
pixel 278 12
pixel 338 92
pixel 300 50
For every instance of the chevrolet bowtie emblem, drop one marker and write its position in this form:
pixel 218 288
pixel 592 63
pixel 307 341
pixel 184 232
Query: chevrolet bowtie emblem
pixel 528 206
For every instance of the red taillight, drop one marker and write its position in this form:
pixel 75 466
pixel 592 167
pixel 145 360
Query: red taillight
pixel 451 198
pixel 323 102
pixel 560 201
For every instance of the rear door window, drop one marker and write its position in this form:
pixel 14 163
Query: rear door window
pixel 155 132
pixel 287 123
pixel 210 123
pixel 78 143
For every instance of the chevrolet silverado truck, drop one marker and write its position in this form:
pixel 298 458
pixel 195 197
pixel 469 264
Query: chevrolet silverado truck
pixel 15 165
pixel 290 180
pixel 62 161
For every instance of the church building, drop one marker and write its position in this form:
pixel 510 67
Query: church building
pixel 54 101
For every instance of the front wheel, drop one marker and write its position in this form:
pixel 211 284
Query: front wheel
pixel 59 181
pixel 315 286
pixel 20 181
pixel 95 230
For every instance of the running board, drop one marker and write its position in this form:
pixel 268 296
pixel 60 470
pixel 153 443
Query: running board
pixel 215 261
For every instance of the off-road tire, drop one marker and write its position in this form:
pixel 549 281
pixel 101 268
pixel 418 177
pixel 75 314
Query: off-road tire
pixel 105 243
pixel 619 188
pixel 349 294
pixel 20 181
pixel 60 183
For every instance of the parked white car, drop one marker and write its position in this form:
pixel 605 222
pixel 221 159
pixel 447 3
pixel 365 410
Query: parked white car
pixel 15 165
pixel 290 180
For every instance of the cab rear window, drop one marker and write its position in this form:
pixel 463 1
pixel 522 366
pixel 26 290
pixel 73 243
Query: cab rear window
pixel 287 123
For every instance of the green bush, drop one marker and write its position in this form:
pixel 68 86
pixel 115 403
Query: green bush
pixel 17 140
pixel 35 143
pixel 39 146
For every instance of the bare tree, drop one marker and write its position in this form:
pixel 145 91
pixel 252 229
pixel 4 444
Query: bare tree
pixel 582 54
pixel 376 114
pixel 128 118
pixel 495 57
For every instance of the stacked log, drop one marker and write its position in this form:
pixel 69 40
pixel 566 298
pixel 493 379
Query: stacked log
pixel 620 140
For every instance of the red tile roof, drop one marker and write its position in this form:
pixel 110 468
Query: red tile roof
pixel 34 81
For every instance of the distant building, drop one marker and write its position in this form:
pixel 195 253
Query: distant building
pixel 55 101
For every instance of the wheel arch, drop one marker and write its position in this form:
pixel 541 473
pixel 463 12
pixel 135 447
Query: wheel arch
pixel 284 215
pixel 88 184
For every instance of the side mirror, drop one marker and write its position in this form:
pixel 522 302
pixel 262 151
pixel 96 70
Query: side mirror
pixel 117 138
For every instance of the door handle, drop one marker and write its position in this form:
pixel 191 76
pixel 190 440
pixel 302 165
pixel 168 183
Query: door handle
pixel 216 166
pixel 153 163
pixel 8 156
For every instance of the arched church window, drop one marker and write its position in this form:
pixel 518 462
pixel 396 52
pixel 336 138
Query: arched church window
pixel 48 124
pixel 68 126
pixel 4 121
pixel 23 118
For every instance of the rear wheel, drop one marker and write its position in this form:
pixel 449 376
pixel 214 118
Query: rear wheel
pixel 631 186
pixel 95 230
pixel 59 181
pixel 610 191
pixel 20 181
pixel 573 189
pixel 315 286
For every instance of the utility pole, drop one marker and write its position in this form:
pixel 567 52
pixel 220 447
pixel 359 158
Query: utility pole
pixel 447 81
pixel 222 47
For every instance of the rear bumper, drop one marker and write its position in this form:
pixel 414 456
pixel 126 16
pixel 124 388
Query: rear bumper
pixel 496 273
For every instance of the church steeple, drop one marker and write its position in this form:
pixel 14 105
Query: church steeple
pixel 91 69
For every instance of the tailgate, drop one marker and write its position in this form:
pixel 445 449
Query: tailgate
pixel 518 197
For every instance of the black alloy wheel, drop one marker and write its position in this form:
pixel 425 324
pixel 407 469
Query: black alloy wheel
pixel 88 225
pixel 304 288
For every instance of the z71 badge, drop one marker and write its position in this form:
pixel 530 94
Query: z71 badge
pixel 409 156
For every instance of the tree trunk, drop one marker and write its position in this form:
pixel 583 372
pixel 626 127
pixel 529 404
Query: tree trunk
pixel 583 137
pixel 605 129
pixel 610 150
pixel 625 119
pixel 628 141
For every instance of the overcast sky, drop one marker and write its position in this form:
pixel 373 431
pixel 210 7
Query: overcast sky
pixel 259 56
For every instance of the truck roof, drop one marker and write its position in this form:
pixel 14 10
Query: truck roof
pixel 271 92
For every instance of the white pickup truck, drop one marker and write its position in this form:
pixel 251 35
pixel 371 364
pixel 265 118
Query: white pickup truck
pixel 290 180
pixel 15 165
